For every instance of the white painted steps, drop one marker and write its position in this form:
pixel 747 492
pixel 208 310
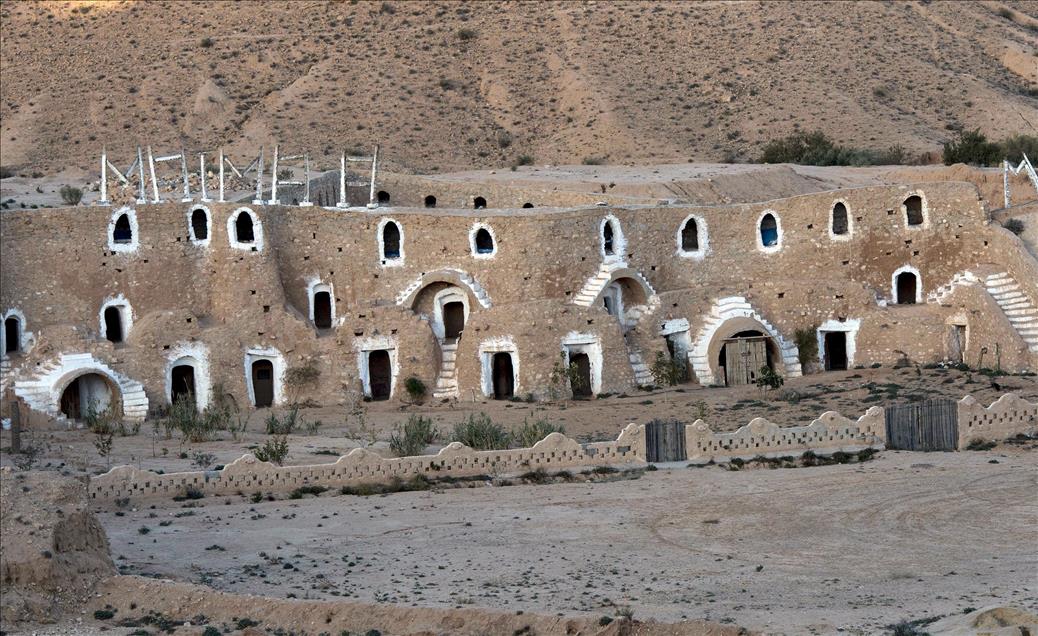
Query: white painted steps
pixel 1016 305
pixel 642 373
pixel 41 389
pixel 447 380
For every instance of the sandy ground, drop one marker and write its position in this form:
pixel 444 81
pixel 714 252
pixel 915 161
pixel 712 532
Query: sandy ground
pixel 803 399
pixel 808 550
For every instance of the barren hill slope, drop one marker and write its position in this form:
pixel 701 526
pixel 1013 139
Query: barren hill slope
pixel 446 86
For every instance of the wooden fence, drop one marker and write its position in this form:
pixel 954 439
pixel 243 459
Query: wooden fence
pixel 665 442
pixel 932 425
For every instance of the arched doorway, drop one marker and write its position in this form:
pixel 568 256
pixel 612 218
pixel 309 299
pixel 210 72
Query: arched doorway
pixel 200 224
pixel 380 374
pixel 243 228
pixel 907 288
pixel 580 375
pixel 430 201
pixel 263 383
pixel 323 310
pixel 503 375
pixel 453 319
pixel 88 394
pixel 113 324
pixel 12 334
pixel 914 210
pixel 743 355
pixel 182 383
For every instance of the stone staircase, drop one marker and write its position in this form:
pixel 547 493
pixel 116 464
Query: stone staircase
pixel 447 380
pixel 594 285
pixel 961 279
pixel 6 373
pixel 464 279
pixel 1015 304
pixel 642 374
pixel 735 307
pixel 40 391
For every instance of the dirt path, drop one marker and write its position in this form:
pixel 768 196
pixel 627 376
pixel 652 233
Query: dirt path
pixel 811 550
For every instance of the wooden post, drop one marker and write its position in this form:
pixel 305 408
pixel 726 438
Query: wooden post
pixel 14 406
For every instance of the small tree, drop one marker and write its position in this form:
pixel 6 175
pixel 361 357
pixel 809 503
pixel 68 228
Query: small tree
pixel 415 389
pixel 70 195
pixel 298 378
pixel 577 381
pixel 971 147
pixel 103 439
pixel 768 380
pixel 274 450
pixel 667 371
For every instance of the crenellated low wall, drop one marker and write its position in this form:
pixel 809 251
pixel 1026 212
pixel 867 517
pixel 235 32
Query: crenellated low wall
pixel 1007 416
pixel 829 433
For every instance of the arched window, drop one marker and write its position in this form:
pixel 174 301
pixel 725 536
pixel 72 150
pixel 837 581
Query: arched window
pixel 430 201
pixel 607 238
pixel 243 229
pixel 122 233
pixel 839 222
pixel 113 318
pixel 199 225
pixel 914 210
pixel 769 231
pixel 391 241
pixel 690 236
pixel 482 241
pixel 479 203
pixel 527 205
pixel 12 334
pixel 382 196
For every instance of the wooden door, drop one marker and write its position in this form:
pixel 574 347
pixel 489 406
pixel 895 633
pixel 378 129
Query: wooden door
pixel 380 374
pixel 453 320
pixel 744 358
pixel 263 383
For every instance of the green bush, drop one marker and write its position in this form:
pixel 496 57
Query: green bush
pixel 1015 147
pixel 70 195
pixel 274 450
pixel 415 389
pixel 768 380
pixel 816 149
pixel 480 433
pixel 667 371
pixel 972 147
pixel 282 425
pixel 532 432
pixel 417 433
pixel 807 344
pixel 1016 226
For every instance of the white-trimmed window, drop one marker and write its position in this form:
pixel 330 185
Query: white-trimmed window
pixel 199 225
pixel 245 230
pixel 390 243
pixel 482 241
pixel 906 286
pixel 915 211
pixel 123 230
pixel 13 334
pixel 116 319
pixel 611 239
pixel 322 304
pixel 769 232
pixel 841 224
pixel 692 237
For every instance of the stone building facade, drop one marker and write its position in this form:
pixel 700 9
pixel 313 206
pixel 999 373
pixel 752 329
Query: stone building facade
pixel 132 304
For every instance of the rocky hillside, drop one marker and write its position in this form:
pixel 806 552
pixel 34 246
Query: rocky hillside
pixel 446 86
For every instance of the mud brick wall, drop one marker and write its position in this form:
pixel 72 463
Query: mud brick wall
pixel 1006 417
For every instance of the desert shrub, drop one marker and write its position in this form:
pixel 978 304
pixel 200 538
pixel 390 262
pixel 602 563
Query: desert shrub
pixel 593 161
pixel 282 425
pixel 524 160
pixel 6 173
pixel 977 444
pixel 207 43
pixel 71 195
pixel 467 34
pixel 299 378
pixel 532 432
pixel 307 490
pixel 415 389
pixel 1015 147
pixel 971 147
pixel 816 149
pixel 768 380
pixel 504 139
pixel 274 450
pixel 1016 226
pixel 480 432
pixel 667 371
pixel 412 438
pixel 807 344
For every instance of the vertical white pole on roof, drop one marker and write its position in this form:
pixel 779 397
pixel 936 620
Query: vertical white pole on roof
pixel 274 177
pixel 183 170
pixel 221 174
pixel 141 196
pixel 374 164
pixel 306 178
pixel 104 176
pixel 259 179
pixel 1005 180
pixel 201 174
pixel 154 182
pixel 342 180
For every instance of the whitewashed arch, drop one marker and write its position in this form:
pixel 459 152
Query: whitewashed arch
pixel 208 225
pixel 363 347
pixel 125 315
pixel 702 235
pixel 918 283
pixel 277 360
pixel 24 336
pixel 135 235
pixel 390 262
pixel 761 247
pixel 619 242
pixel 56 377
pixel 451 276
pixel 442 297
pixel 257 231
pixel 476 227
pixel 315 286
pixel 588 343
pixel 196 356
pixel 726 317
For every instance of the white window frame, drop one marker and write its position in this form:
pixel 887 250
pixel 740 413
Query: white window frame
pixel 135 235
pixel 476 227
pixel 702 235
pixel 389 262
pixel 761 247
pixel 257 231
pixel 208 226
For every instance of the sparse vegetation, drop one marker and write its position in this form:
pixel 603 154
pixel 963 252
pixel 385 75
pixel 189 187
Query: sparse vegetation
pixel 70 195
pixel 412 438
pixel 768 380
pixel 972 147
pixel 532 432
pixel 807 344
pixel 273 450
pixel 667 371
pixel 283 425
pixel 478 431
pixel 415 389
pixel 1016 226
pixel 816 149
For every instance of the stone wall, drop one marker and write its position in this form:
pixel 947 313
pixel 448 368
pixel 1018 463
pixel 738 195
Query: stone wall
pixel 541 287
pixel 1006 417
